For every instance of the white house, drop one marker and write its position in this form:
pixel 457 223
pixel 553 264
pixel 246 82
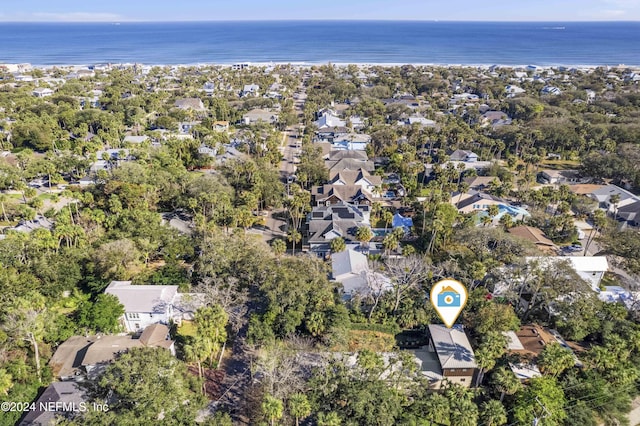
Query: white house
pixel 351 269
pixel 42 92
pixel 603 196
pixel 550 90
pixel 145 305
pixel 513 90
pixel 589 268
pixel 250 90
pixel 327 119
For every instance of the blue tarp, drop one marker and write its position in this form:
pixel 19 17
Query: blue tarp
pixel 400 221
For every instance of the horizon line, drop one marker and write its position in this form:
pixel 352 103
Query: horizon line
pixel 134 21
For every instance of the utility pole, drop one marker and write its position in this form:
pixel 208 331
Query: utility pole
pixel 546 413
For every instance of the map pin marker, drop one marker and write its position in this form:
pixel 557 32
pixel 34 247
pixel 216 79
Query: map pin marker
pixel 448 297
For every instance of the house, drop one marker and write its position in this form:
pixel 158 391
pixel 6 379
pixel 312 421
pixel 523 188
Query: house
pixel 513 90
pixel 449 356
pixel 64 400
pixel 87 354
pixel 534 235
pixel 28 226
pixel 328 195
pixel 325 223
pixel 190 104
pixel 589 268
pixel 495 119
pixel 559 176
pixel 527 343
pixel 135 139
pixel 146 304
pixel 480 183
pixel 209 88
pixel 250 90
pixel 42 92
pixel 259 115
pixel 351 141
pixel 464 156
pixel 359 177
pixel 550 90
pixel 630 214
pixel 351 269
pixel 420 121
pixel 603 196
pixel 327 120
pixel 221 126
pixel 474 201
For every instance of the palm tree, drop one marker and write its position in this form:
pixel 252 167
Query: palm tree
pixel 329 419
pixel 436 407
pixel 338 245
pixel 493 211
pixel 279 247
pixel 492 413
pixel 390 243
pixel 387 217
pixel 272 408
pixel 554 359
pixel 364 234
pixel 3 200
pixel 294 237
pixel 614 200
pixel 299 406
pixel 505 382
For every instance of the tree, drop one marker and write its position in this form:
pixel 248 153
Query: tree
pixel 492 346
pixel 272 408
pixel 329 419
pixel 103 315
pixel 505 382
pixel 149 384
pixel 338 245
pixel 279 247
pixel 114 259
pixel 543 397
pixel 614 200
pixel 211 322
pixel 294 238
pixel 6 381
pixel 405 274
pixel 554 359
pixel 492 413
pixel 299 406
pixel 364 234
pixel 25 319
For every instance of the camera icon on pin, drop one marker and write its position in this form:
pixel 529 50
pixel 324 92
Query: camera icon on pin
pixel 448 298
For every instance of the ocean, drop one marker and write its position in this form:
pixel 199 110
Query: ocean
pixel 313 42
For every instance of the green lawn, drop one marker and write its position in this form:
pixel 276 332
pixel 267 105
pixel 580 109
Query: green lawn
pixel 560 164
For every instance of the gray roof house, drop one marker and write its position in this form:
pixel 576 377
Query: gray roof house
pixel 449 356
pixel 351 269
pixel 190 103
pixel 257 115
pixel 59 400
pixel 146 304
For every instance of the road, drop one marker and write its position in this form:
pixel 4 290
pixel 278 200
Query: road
pixel 276 222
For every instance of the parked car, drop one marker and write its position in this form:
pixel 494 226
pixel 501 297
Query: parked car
pixel 574 247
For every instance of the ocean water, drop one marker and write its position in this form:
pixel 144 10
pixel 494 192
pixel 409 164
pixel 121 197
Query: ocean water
pixel 394 42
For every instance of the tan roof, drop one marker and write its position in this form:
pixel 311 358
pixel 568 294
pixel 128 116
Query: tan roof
pixel 64 361
pixel 106 348
pixel 584 189
pixel 154 335
pixel 532 234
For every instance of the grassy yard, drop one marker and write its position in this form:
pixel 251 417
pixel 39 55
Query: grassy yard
pixel 373 340
pixel 560 164
pixel 187 328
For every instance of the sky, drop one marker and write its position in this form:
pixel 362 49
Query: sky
pixel 211 10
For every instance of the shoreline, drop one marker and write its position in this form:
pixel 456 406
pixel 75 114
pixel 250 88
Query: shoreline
pixel 310 64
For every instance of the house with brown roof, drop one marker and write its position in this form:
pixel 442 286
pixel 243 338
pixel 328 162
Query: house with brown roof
pixel 534 235
pixel 92 353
